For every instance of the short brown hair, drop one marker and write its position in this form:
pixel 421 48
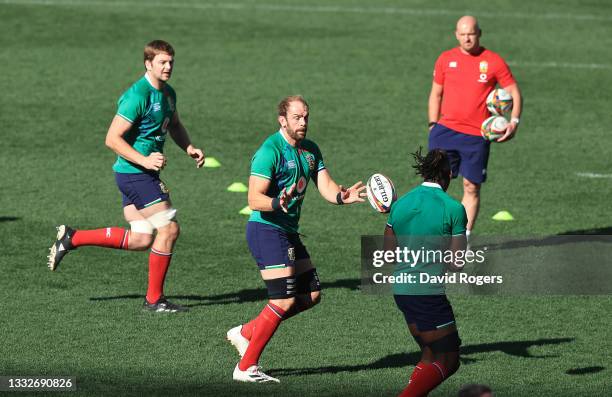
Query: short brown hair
pixel 284 104
pixel 157 47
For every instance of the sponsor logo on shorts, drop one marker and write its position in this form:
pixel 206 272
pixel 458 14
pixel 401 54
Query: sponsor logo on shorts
pixel 163 187
pixel 291 253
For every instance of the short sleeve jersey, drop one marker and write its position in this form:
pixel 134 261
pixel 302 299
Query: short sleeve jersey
pixel 467 80
pixel 422 215
pixel 150 111
pixel 285 165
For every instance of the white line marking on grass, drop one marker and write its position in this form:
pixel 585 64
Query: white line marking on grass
pixel 561 65
pixel 593 175
pixel 319 9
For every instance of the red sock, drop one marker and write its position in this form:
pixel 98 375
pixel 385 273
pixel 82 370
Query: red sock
pixel 267 323
pixel 417 368
pixel 247 329
pixel 110 237
pixel 424 380
pixel 158 266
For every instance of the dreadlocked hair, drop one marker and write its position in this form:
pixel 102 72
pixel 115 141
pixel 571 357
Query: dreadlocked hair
pixel 432 167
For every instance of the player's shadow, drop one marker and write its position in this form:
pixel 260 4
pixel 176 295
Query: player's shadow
pixel 603 234
pixel 9 218
pixel 244 295
pixel 401 360
pixel 584 371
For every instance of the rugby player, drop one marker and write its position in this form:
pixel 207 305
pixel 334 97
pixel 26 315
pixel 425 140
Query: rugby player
pixel 463 77
pixel 280 171
pixel 427 214
pixel 146 114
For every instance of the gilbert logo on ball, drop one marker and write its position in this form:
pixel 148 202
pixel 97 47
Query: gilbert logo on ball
pixel 493 128
pixel 381 192
pixel 499 102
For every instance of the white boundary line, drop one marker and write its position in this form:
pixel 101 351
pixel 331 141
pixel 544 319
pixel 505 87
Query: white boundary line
pixel 593 175
pixel 315 8
pixel 561 65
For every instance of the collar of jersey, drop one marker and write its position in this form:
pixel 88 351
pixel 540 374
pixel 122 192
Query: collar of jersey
pixel 285 139
pixel 431 184
pixel 146 76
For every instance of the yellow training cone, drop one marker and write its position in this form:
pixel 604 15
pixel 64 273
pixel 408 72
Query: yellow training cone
pixel 212 162
pixel 246 211
pixel 503 216
pixel 237 187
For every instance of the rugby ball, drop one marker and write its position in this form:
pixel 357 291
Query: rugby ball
pixel 381 192
pixel 499 102
pixel 493 128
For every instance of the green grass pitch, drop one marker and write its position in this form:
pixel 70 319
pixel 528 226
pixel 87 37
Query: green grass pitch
pixel 366 69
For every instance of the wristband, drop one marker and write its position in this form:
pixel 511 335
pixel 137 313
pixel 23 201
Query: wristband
pixel 276 204
pixel 515 120
pixel 432 123
pixel 339 200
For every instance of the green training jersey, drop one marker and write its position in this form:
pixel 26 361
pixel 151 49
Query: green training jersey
pixel 420 220
pixel 150 111
pixel 285 165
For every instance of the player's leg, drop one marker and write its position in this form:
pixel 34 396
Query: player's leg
pixel 431 322
pixel 273 253
pixel 308 287
pixel 136 190
pixel 471 202
pixel 474 153
pixel 162 217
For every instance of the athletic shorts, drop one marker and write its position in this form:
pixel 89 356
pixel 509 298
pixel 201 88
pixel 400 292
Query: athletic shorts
pixel 468 154
pixel 273 247
pixel 142 189
pixel 428 312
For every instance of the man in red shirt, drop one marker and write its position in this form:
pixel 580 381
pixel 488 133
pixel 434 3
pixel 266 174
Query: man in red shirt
pixel 463 77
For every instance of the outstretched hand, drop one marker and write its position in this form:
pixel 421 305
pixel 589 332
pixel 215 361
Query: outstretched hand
pixel 353 194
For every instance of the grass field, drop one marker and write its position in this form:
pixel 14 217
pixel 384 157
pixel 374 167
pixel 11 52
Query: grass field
pixel 366 69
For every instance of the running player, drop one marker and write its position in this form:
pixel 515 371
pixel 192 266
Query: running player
pixel 146 114
pixel 280 171
pixel 428 215
pixel 463 77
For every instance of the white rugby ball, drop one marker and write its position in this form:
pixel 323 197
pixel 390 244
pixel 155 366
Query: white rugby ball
pixel 381 192
pixel 499 102
pixel 494 128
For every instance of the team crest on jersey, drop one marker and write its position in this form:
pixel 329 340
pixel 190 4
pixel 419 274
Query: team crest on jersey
pixel 163 187
pixel 170 103
pixel 291 164
pixel 156 107
pixel 301 185
pixel 484 68
pixel 311 161
pixel 452 64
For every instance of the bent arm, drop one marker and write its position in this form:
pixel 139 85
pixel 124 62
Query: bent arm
pixel 435 102
pixel 258 200
pixel 179 133
pixel 517 100
pixel 115 141
pixel 327 187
